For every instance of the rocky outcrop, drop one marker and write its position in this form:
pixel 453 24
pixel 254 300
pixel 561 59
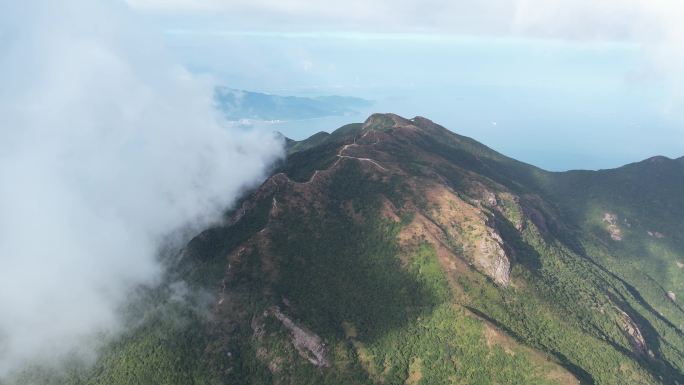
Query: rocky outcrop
pixel 466 228
pixel 633 333
pixel 611 221
pixel 491 257
pixel 308 344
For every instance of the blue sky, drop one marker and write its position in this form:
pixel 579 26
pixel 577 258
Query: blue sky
pixel 576 85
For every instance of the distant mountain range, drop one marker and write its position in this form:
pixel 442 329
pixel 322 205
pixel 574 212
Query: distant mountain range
pixel 397 252
pixel 239 104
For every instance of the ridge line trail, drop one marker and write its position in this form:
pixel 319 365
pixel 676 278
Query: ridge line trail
pixel 340 156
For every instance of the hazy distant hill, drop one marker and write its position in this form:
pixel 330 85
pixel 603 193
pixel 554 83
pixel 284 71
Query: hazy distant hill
pixel 398 252
pixel 239 104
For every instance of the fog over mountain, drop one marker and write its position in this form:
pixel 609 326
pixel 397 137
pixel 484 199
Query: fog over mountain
pixel 232 192
pixel 106 147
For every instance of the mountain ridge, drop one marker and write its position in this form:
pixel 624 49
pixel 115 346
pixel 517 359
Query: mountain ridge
pixel 379 127
pixel 397 252
pixel 654 158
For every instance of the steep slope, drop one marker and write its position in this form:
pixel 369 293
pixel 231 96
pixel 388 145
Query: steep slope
pixel 629 221
pixel 397 252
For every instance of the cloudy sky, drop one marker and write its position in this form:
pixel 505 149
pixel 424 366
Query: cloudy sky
pixel 561 84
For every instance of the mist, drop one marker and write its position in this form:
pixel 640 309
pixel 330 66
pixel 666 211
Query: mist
pixel 106 147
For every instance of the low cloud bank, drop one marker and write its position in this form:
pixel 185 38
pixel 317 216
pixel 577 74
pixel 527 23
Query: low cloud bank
pixel 106 147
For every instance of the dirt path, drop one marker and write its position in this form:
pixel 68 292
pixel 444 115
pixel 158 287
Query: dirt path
pixel 340 155
pixel 365 160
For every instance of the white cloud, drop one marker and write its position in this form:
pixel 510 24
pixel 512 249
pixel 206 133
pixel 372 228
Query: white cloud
pixel 106 146
pixel 657 26
pixel 613 19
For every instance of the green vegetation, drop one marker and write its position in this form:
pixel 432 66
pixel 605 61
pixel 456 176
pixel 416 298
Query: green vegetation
pixel 363 261
pixel 311 142
pixel 352 274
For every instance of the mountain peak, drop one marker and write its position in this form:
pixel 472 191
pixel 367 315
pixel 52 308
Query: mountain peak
pixel 384 122
pixel 657 159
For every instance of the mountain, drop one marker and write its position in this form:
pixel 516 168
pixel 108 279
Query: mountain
pixel 398 252
pixel 240 104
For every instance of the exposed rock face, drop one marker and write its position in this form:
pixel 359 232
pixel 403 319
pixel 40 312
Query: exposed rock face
pixel 309 345
pixel 671 295
pixel 613 228
pixel 656 234
pixel 467 230
pixel 634 335
pixel 492 259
